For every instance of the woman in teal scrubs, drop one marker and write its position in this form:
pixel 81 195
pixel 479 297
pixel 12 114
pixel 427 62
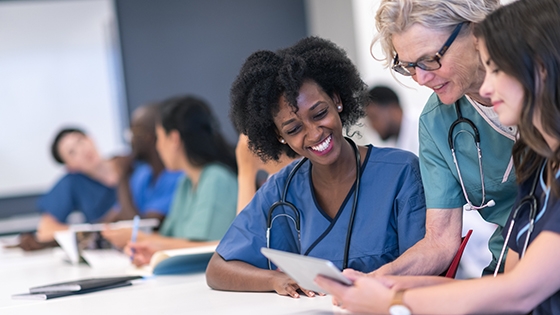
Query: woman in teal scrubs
pixel 433 42
pixel 204 202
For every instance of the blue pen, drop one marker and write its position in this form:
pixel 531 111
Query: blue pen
pixel 135 225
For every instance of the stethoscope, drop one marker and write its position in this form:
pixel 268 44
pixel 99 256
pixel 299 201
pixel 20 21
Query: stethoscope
pixel 296 218
pixel 531 200
pixel 476 136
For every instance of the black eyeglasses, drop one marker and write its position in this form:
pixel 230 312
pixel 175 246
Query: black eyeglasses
pixel 425 63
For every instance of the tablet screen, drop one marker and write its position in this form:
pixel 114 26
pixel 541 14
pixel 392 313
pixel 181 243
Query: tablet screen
pixel 304 269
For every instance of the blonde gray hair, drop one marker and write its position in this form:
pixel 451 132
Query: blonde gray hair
pixel 396 16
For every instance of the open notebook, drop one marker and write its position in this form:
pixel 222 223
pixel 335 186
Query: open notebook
pixel 176 261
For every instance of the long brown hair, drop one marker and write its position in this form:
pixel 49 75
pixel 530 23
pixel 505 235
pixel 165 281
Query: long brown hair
pixel 523 41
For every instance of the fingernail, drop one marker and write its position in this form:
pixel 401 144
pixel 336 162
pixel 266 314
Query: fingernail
pixel 311 293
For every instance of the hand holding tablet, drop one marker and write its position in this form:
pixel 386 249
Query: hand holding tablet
pixel 304 269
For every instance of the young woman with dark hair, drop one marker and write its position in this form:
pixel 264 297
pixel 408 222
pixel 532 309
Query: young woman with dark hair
pixel 204 204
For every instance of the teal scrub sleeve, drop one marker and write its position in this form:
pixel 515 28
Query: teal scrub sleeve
pixel 215 206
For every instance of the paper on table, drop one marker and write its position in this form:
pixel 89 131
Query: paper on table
pixel 152 222
pixel 68 239
pixel 105 258
pixel 176 261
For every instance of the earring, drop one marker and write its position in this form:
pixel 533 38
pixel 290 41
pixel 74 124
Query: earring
pixel 339 108
pixel 282 141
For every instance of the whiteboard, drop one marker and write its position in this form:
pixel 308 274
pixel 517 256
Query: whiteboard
pixel 59 66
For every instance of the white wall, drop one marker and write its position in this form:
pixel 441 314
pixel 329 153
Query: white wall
pixel 350 24
pixel 374 72
pixel 354 32
pixel 58 64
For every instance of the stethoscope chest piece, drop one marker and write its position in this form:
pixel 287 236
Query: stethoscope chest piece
pixel 476 137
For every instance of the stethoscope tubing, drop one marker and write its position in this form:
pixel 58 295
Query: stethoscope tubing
pixel 532 201
pixel 476 137
pixel 297 220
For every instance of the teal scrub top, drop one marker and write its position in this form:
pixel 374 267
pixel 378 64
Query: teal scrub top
pixel 203 213
pixel 439 174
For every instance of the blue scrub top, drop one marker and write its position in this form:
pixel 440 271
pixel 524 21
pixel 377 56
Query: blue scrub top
pixel 390 216
pixel 152 196
pixel 78 192
pixel 547 219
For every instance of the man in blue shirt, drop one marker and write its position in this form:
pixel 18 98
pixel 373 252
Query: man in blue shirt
pixel 145 187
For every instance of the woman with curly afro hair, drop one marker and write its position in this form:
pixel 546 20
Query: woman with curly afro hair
pixel 357 206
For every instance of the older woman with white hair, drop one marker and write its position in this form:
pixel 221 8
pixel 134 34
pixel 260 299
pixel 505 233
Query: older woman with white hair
pixel 465 152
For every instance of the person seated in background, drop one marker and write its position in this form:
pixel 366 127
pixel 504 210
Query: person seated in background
pixel 248 166
pixel 126 185
pixel 88 187
pixel 385 115
pixel 145 188
pixel 204 203
pixel 519 45
pixel 357 206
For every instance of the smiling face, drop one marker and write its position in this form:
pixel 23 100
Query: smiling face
pixel 315 131
pixel 505 92
pixel 78 152
pixel 460 71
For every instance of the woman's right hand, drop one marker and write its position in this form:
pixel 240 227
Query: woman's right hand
pixel 284 285
pixel 141 252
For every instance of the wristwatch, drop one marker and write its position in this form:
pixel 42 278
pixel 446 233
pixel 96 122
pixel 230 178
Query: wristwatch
pixel 397 306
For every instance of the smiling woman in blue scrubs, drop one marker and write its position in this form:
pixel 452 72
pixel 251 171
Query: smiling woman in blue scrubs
pixel 359 207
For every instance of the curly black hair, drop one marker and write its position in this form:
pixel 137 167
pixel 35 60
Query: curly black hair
pixel 266 76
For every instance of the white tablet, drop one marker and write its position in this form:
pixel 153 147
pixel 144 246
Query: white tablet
pixel 304 269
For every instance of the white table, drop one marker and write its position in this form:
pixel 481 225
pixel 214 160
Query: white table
pixel 178 294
